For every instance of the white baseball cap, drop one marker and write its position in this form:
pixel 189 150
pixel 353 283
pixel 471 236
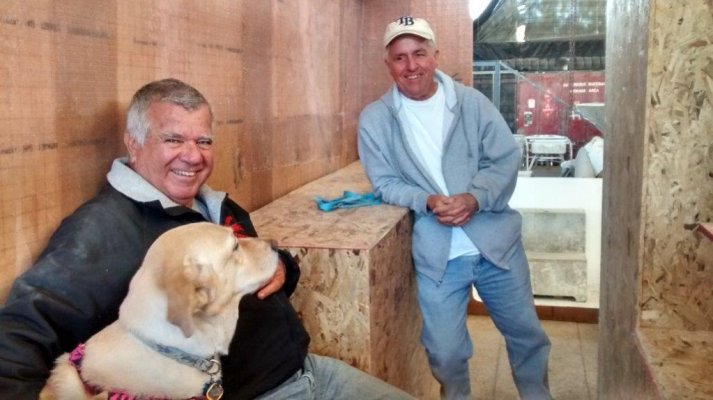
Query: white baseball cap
pixel 408 25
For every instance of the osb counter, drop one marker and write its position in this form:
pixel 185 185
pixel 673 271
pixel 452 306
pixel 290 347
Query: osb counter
pixel 679 362
pixel 357 293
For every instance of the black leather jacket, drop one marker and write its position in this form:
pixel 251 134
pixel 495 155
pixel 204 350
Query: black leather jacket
pixel 78 282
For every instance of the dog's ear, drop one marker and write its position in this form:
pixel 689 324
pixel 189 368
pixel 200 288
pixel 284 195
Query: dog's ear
pixel 189 288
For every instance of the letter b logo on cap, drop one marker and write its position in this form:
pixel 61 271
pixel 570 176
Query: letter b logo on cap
pixel 406 21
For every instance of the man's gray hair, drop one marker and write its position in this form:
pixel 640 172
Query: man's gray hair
pixel 429 43
pixel 166 91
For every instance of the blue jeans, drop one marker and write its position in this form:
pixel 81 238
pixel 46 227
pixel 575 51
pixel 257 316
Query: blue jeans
pixel 507 294
pixel 329 378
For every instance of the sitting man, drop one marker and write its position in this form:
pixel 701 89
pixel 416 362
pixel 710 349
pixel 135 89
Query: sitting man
pixel 78 282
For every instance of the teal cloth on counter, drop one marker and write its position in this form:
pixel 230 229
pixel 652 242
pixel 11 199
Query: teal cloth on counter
pixel 348 200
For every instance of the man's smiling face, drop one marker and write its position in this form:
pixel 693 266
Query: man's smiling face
pixel 412 64
pixel 177 155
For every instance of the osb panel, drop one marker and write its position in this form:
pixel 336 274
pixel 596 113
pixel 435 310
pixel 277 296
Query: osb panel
pixel 680 372
pixel 297 110
pixel 58 118
pixel 398 356
pixel 350 52
pixel 332 299
pixel 306 73
pixel 450 22
pixel 620 363
pixel 360 306
pixel 678 263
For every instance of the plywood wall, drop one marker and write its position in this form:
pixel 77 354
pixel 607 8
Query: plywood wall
pixel 658 178
pixel 59 118
pixel 678 263
pixel 286 79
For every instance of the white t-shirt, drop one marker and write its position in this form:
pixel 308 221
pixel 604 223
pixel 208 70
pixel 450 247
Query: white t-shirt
pixel 426 133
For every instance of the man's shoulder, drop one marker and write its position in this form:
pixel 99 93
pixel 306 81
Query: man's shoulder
pixel 377 105
pixel 107 208
pixel 107 198
pixel 375 111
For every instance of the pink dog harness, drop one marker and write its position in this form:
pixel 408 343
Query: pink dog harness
pixel 75 360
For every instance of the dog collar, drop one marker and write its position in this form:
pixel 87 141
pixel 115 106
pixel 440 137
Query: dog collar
pixel 209 365
pixel 213 389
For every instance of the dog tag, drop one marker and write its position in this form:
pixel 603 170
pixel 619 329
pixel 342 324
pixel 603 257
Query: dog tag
pixel 214 392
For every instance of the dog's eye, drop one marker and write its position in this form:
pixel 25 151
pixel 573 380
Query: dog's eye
pixel 237 244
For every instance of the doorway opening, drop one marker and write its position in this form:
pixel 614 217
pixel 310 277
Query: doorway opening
pixel 542 64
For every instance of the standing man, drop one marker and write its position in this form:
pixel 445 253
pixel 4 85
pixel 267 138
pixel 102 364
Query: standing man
pixel 78 282
pixel 443 150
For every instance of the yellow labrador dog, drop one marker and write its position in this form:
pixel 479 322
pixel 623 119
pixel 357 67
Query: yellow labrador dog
pixel 178 317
